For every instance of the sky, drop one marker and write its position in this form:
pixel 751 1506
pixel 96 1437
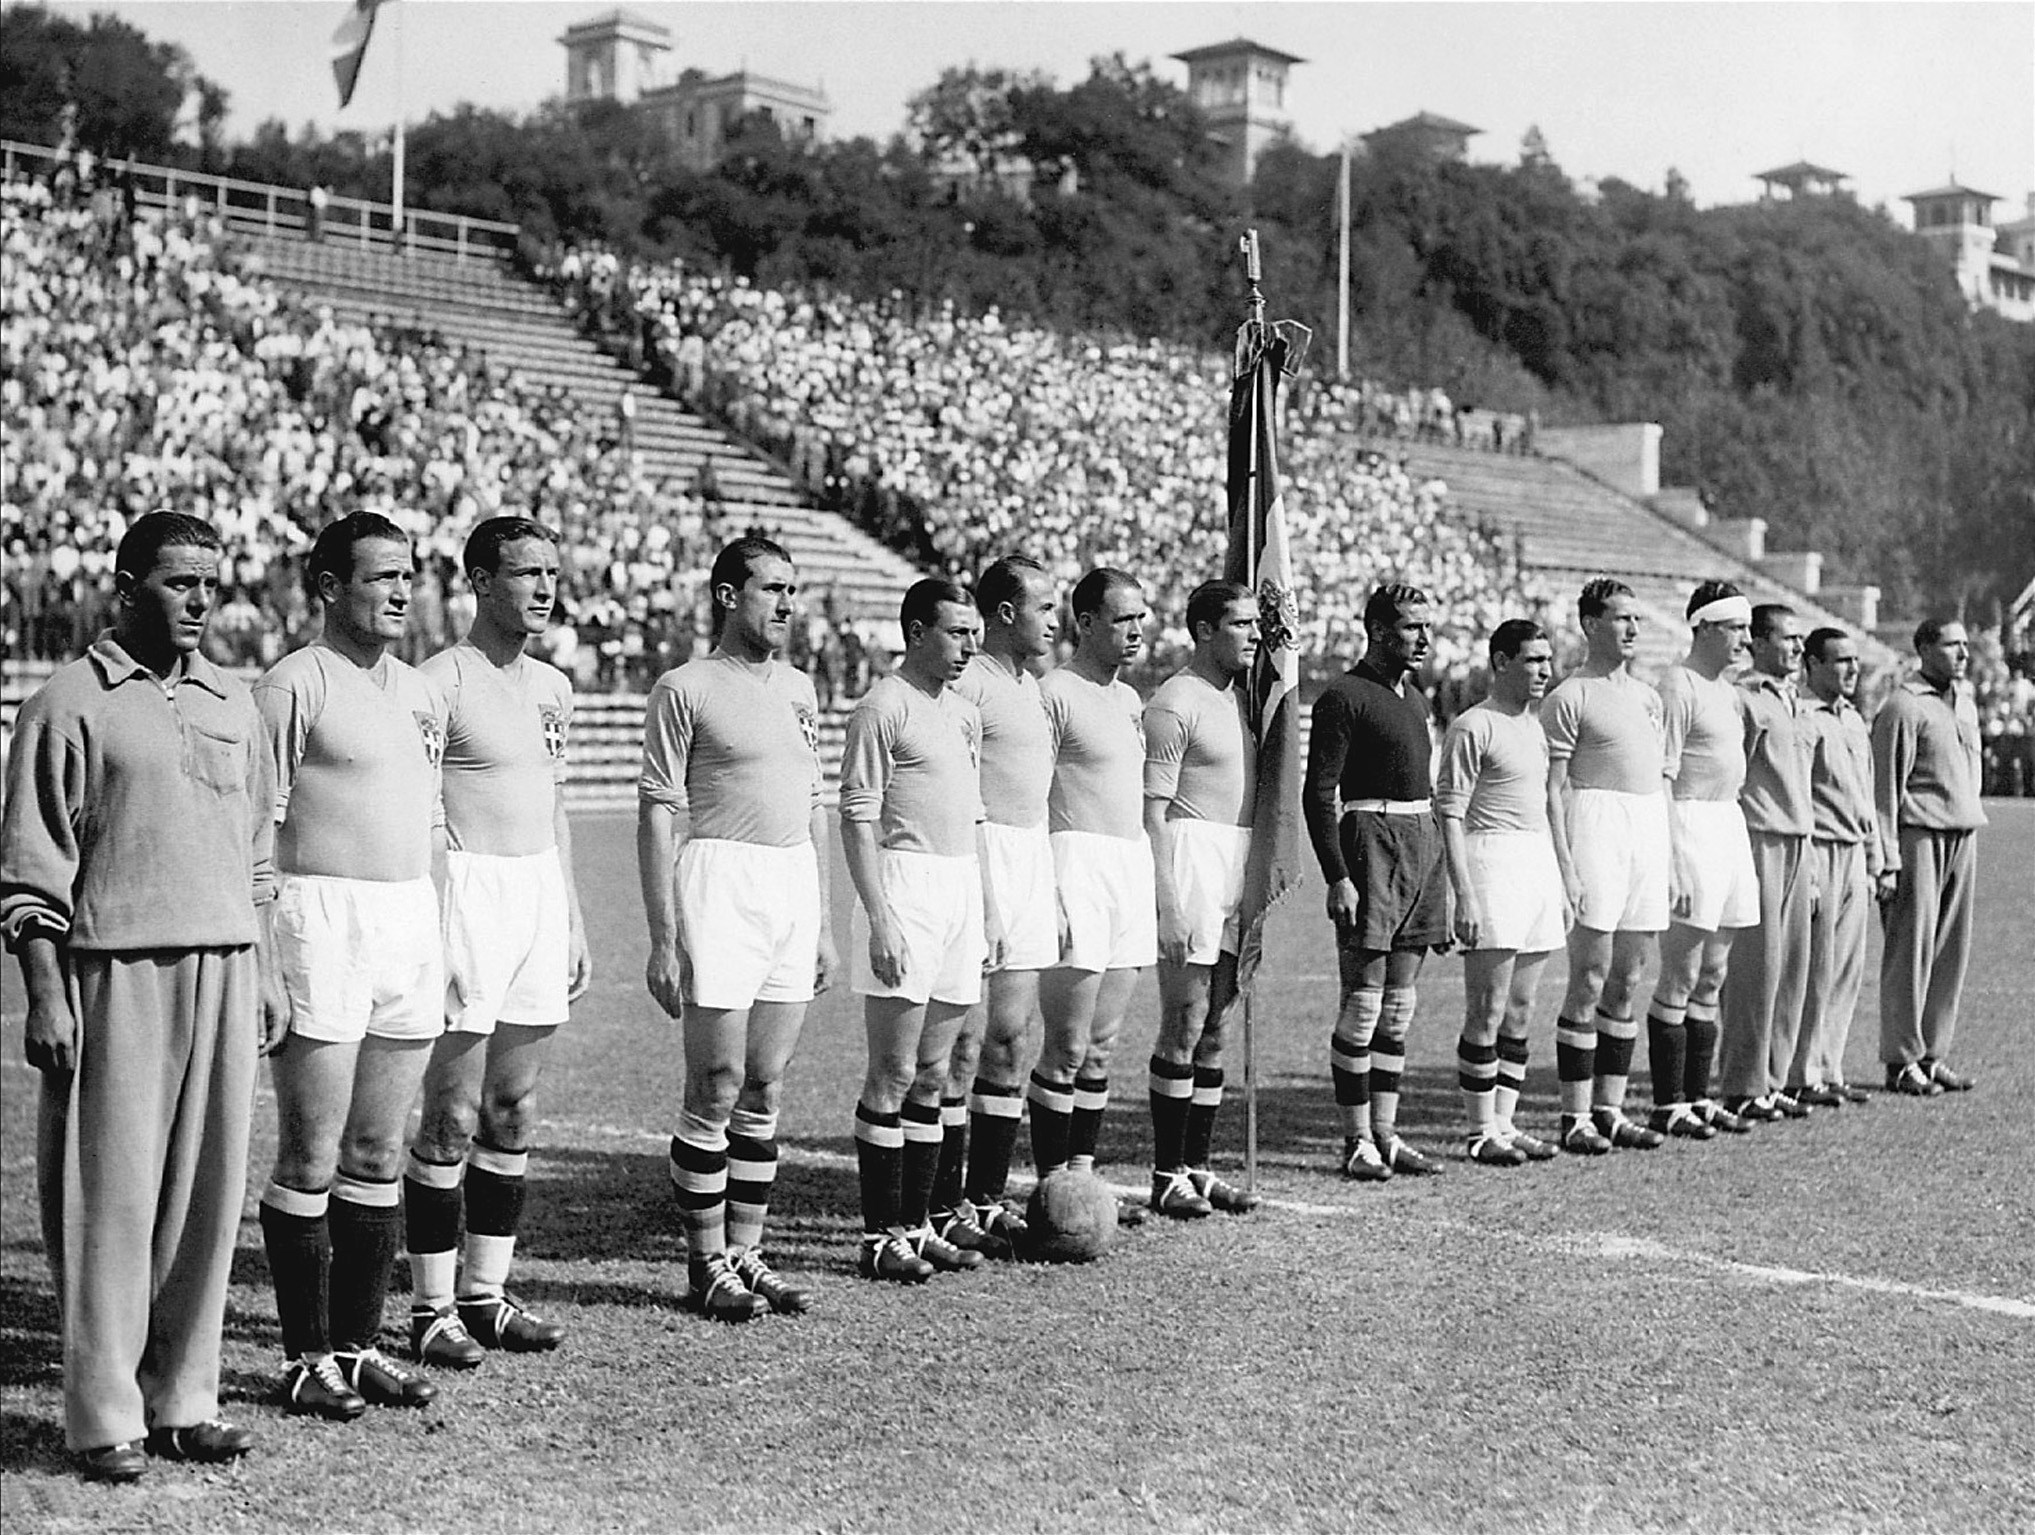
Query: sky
pixel 1898 95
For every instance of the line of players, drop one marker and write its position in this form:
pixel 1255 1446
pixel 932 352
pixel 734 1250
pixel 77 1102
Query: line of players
pixel 364 870
pixel 1751 826
pixel 1022 848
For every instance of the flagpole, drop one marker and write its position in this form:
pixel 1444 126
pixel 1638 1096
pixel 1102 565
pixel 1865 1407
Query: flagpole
pixel 1342 267
pixel 396 171
pixel 1253 276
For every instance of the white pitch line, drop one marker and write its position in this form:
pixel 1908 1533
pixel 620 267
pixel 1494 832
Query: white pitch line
pixel 1608 1245
pixel 1601 1244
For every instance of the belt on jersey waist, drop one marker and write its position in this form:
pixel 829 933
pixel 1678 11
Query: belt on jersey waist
pixel 1389 806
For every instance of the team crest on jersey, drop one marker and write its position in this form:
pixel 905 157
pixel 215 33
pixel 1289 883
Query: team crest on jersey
pixel 554 733
pixel 809 727
pixel 432 729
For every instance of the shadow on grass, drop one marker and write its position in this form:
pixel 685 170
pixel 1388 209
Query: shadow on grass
pixel 30 1443
pixel 33 1349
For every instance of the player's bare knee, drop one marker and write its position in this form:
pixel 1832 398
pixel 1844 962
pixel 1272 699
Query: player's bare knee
pixel 508 1116
pixel 711 1092
pixel 445 1128
pixel 374 1156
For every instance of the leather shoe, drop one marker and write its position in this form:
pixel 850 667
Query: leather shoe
pixel 208 1442
pixel 1791 1107
pixel 1851 1094
pixel 1950 1081
pixel 112 1463
pixel 1913 1081
pixel 1819 1096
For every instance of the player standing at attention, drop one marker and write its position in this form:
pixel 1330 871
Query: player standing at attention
pixel 1713 889
pixel 134 873
pixel 911 803
pixel 1770 968
pixel 1848 870
pixel 515 951
pixel 1102 866
pixel 731 849
pixel 1491 796
pixel 1201 768
pixel 1018 605
pixel 1925 757
pixel 356 737
pixel 1607 804
pixel 1368 799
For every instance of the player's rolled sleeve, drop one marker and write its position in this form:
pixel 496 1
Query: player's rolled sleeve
pixel 1165 746
pixel 45 794
pixel 1561 721
pixel 667 742
pixel 866 763
pixel 1328 745
pixel 1462 760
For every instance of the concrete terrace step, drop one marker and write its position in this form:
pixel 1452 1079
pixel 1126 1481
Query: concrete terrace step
pixel 521 327
pixel 1570 528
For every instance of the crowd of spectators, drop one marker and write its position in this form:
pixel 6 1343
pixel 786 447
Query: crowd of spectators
pixel 959 437
pixel 140 367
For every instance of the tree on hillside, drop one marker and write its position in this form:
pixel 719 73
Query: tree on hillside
pixel 126 92
pixel 968 114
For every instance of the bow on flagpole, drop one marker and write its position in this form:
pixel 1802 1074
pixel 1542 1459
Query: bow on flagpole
pixel 1260 557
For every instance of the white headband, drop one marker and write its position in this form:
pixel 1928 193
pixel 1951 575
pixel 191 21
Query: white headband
pixel 1722 611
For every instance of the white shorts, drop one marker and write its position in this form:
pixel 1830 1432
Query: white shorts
pixel 1108 900
pixel 1619 844
pixel 937 903
pixel 749 917
pixel 1717 855
pixel 508 941
pixel 360 957
pixel 1020 871
pixel 1207 861
pixel 1518 884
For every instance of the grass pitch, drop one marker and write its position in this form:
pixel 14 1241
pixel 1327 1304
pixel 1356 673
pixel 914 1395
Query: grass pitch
pixel 1826 1326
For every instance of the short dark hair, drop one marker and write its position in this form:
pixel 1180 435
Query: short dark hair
pixel 1209 601
pixel 922 601
pixel 1595 599
pixel 1763 617
pixel 1389 603
pixel 1819 641
pixel 332 550
pixel 1512 635
pixel 1708 592
pixel 1093 589
pixel 152 532
pixel 734 564
pixel 484 544
pixel 1930 630
pixel 1004 581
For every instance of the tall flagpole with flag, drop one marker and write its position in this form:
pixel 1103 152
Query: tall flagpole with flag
pixel 1260 557
pixel 349 50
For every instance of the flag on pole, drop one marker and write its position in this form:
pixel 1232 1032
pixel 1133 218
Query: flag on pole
pixel 349 46
pixel 1261 559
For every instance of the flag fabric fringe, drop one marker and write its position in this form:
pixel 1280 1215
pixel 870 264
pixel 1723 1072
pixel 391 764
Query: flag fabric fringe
pixel 349 46
pixel 1261 559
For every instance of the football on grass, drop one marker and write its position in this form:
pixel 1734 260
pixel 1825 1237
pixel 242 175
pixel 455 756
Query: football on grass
pixel 1072 1217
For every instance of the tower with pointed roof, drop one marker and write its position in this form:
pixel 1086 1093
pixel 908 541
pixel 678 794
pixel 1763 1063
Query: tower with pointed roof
pixel 1958 221
pixel 1240 87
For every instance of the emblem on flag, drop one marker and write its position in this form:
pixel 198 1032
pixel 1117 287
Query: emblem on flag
pixel 433 732
pixel 554 733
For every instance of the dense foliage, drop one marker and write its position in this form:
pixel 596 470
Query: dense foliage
pixel 1811 362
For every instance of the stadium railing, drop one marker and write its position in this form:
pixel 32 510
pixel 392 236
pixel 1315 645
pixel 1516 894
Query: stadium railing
pixel 263 207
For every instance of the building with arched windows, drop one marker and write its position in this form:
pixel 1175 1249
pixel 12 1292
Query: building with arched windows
pixel 1240 87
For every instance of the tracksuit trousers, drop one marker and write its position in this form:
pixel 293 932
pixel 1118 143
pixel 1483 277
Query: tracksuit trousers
pixel 1928 926
pixel 150 1135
